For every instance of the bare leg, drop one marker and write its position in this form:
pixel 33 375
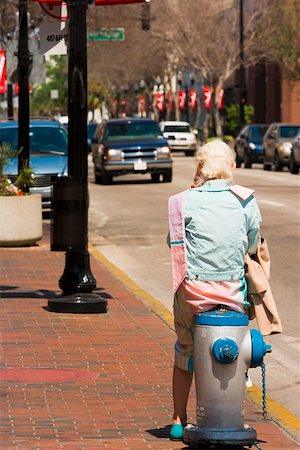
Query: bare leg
pixel 182 381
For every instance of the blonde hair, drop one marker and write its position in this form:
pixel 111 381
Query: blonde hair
pixel 215 160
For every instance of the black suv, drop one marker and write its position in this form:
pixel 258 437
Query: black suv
pixel 122 146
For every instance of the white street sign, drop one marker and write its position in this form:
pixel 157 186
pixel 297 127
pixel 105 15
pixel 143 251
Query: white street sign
pixel 54 94
pixel 54 38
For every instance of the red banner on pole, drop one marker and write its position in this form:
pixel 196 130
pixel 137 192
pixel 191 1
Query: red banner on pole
pixel 2 72
pixel 16 88
pixel 159 102
pixel 142 104
pixel 193 99
pixel 170 101
pixel 207 97
pixel 181 100
pixel 221 99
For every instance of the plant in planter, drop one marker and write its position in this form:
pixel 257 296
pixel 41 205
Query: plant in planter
pixel 20 212
pixel 25 178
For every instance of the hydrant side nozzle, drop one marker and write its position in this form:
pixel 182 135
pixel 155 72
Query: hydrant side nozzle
pixel 259 348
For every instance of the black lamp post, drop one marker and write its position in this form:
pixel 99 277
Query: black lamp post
pixel 70 195
pixel 242 68
pixel 24 63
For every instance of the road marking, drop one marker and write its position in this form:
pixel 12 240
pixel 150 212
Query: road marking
pixel 271 203
pixel 277 411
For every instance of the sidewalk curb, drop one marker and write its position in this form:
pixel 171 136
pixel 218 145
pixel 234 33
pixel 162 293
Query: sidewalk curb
pixel 278 413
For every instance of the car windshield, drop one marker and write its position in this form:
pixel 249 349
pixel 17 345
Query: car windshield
pixel 256 134
pixel 177 129
pixel 50 140
pixel 288 131
pixel 131 130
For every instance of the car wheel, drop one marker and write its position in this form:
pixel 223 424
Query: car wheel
pixel 267 166
pixel 167 176
pixel 155 177
pixel 106 178
pixel 294 168
pixel 98 178
pixel 238 161
pixel 247 160
pixel 278 164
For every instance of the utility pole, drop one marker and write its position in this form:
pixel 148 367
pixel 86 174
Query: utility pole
pixel 242 68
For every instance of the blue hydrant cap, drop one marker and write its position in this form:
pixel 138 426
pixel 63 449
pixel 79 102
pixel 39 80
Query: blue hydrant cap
pixel 225 350
pixel 222 318
pixel 259 348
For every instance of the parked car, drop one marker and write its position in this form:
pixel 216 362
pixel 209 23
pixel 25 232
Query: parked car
pixel 248 145
pixel 277 145
pixel 295 155
pixel 48 153
pixel 122 146
pixel 91 128
pixel 180 136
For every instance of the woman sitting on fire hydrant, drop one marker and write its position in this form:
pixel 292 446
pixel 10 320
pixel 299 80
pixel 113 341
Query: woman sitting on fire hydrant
pixel 213 226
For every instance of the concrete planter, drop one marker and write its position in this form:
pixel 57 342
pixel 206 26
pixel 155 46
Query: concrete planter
pixel 20 220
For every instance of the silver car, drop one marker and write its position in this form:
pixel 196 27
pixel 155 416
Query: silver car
pixel 277 145
pixel 295 155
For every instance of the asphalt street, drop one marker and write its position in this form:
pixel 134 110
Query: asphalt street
pixel 128 225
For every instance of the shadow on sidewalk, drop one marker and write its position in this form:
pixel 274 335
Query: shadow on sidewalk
pixel 10 292
pixel 164 433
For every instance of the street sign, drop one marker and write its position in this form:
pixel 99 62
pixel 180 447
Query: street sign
pixel 54 38
pixel 108 34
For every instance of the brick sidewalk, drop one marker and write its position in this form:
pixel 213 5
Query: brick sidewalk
pixel 108 383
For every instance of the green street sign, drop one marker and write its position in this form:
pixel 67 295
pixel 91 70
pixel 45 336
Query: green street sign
pixel 108 34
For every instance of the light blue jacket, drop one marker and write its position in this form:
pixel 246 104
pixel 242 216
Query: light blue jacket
pixel 220 229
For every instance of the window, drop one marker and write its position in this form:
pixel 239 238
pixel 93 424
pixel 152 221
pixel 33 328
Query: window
pixel 288 131
pixel 177 129
pixel 131 130
pixel 42 139
pixel 257 133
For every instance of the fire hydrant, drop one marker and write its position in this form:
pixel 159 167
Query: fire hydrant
pixel 224 349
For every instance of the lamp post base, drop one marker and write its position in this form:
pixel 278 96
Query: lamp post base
pixel 79 303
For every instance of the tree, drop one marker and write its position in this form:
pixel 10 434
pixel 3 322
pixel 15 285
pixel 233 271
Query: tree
pixel 209 41
pixel 281 35
pixel 57 79
pixel 199 35
pixel 98 95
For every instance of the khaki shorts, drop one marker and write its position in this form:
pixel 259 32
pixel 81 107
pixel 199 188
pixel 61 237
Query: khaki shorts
pixel 184 326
